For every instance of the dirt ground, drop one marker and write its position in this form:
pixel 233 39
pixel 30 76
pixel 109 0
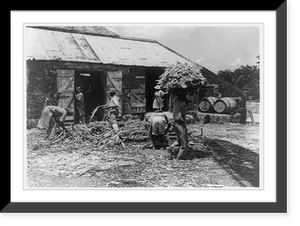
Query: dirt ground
pixel 226 155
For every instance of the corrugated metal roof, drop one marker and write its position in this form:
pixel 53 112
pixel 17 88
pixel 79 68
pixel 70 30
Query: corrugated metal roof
pixel 55 45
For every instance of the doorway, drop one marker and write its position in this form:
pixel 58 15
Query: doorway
pixel 152 74
pixel 93 84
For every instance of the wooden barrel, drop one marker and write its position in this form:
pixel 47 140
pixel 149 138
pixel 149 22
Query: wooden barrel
pixel 207 104
pixel 225 105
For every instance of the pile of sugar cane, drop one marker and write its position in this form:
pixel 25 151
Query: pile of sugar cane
pixel 101 133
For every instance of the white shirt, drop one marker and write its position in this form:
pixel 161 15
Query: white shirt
pixel 116 101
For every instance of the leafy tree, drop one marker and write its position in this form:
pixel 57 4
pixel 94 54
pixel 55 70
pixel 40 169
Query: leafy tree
pixel 41 84
pixel 245 78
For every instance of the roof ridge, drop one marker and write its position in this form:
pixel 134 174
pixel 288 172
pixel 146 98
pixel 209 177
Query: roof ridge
pixel 138 39
pixel 113 35
pixel 191 61
pixel 76 30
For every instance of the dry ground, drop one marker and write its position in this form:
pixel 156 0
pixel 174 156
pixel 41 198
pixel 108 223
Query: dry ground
pixel 226 155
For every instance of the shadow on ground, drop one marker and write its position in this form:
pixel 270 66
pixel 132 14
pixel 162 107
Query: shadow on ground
pixel 241 163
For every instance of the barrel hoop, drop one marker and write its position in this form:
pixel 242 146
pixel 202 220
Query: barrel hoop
pixel 225 105
pixel 206 104
pixel 220 106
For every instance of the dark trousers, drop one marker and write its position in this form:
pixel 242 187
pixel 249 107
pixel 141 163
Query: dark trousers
pixel 81 115
pixel 158 138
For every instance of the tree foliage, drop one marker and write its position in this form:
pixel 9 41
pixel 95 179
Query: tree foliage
pixel 41 84
pixel 245 78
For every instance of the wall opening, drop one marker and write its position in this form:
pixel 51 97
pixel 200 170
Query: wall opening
pixel 152 74
pixel 93 84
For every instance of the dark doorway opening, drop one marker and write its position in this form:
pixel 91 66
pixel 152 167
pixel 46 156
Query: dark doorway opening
pixel 93 84
pixel 152 74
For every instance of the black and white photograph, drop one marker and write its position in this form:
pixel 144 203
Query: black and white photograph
pixel 135 106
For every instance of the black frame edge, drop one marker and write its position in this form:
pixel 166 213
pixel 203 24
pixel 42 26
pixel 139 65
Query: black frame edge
pixel 281 109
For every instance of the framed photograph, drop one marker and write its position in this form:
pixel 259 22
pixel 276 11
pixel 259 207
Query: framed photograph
pixel 146 111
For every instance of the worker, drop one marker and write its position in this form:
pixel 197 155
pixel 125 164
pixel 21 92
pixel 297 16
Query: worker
pixel 127 101
pixel 114 109
pixel 216 93
pixel 159 125
pixel 80 104
pixel 179 107
pixel 158 102
pixel 57 117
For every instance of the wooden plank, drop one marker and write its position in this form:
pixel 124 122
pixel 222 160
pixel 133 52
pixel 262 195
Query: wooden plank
pixel 115 74
pixel 138 105
pixel 65 102
pixel 137 81
pixel 137 97
pixel 139 91
pixel 69 118
pixel 65 73
pixel 66 85
pixel 69 101
pixel 114 79
pixel 117 86
pixel 66 93
pixel 142 86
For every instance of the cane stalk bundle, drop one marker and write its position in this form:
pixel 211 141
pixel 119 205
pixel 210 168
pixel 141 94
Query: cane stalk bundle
pixel 181 77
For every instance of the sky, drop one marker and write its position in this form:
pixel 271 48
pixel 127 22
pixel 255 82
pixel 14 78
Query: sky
pixel 214 47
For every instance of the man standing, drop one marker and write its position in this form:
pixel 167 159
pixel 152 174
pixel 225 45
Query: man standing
pixel 114 109
pixel 179 105
pixel 127 101
pixel 80 105
pixel 158 101
pixel 158 122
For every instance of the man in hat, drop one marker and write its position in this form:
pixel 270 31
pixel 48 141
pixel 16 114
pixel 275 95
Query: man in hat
pixel 80 104
pixel 114 108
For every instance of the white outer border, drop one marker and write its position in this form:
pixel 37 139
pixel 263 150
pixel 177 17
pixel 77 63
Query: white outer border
pixel 18 104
